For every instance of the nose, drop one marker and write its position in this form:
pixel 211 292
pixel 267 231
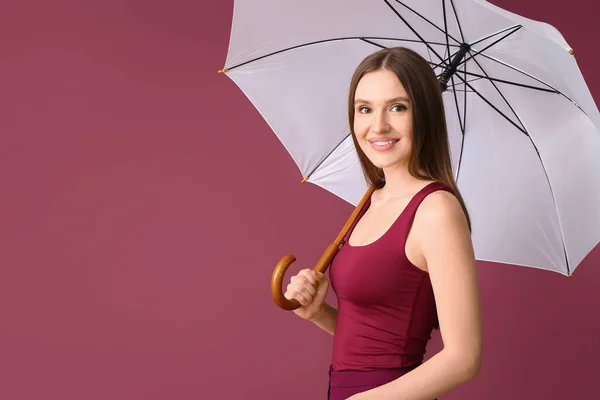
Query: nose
pixel 380 123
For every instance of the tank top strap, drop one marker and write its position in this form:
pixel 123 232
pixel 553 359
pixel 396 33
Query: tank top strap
pixel 411 209
pixel 358 217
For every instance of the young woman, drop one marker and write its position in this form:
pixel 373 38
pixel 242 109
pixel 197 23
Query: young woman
pixel 407 265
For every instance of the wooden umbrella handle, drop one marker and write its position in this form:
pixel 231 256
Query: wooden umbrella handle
pixel 326 259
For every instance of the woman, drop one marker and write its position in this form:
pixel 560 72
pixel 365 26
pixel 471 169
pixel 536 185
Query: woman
pixel 407 265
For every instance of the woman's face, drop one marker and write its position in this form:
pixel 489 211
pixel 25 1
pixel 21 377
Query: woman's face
pixel 383 119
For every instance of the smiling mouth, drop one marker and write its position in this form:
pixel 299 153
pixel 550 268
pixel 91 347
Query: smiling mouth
pixel 383 145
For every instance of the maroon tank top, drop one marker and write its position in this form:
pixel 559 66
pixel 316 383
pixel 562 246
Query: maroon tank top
pixel 386 306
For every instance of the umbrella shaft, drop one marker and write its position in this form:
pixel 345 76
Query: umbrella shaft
pixel 451 69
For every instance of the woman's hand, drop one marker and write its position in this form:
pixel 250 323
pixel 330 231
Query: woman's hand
pixel 309 288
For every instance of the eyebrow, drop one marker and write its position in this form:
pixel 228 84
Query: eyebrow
pixel 394 100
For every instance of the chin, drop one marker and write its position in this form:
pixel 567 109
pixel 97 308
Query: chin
pixel 386 159
pixel 387 163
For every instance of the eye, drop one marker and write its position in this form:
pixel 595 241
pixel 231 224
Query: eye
pixel 364 110
pixel 399 107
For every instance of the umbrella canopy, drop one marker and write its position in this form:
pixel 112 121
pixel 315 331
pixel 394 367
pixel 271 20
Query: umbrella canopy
pixel 523 127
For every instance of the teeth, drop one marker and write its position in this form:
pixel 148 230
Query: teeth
pixel 384 143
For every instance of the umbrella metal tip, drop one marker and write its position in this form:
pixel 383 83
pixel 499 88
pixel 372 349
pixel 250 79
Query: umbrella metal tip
pixel 304 180
pixel 221 71
pixel 571 51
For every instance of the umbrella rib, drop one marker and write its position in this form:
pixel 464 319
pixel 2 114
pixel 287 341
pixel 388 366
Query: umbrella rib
pixel 479 77
pixel 366 39
pixel 404 40
pixel 533 77
pixel 413 30
pixel 518 27
pixel 518 70
pixel 493 106
pixel 446 28
pixel 474 79
pixel 465 97
pixel 434 66
pixel 510 83
pixel 496 34
pixel 383 47
pixel 293 48
pixel 463 122
pixel 327 156
pixel 457 21
pixel 429 54
pixel 562 234
pixel 499 92
pixel 462 127
pixel 373 43
pixel 331 40
pixel 422 17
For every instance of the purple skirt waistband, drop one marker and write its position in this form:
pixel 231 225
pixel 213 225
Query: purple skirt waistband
pixel 366 378
pixel 344 384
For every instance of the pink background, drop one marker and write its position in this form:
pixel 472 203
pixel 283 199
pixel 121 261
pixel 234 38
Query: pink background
pixel 145 202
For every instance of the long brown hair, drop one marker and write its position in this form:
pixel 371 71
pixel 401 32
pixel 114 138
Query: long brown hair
pixel 430 156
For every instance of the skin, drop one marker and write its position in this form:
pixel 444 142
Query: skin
pixel 383 111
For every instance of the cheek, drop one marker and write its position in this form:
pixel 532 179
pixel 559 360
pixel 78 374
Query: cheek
pixel 360 128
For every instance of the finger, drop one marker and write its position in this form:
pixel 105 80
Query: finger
pixel 304 282
pixel 302 298
pixel 309 287
pixel 307 273
pixel 298 278
pixel 302 291
pixel 319 276
pixel 298 293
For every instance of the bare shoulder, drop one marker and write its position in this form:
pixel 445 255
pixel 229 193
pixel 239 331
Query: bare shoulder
pixel 440 209
pixel 441 231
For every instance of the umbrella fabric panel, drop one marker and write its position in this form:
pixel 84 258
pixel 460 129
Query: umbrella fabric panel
pixel 504 187
pixel 569 147
pixel 342 174
pixel 538 57
pixel 286 24
pixel 541 28
pixel 475 19
pixel 425 20
pixel 456 115
pixel 303 96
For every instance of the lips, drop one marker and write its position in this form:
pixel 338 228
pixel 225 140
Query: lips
pixel 382 139
pixel 383 144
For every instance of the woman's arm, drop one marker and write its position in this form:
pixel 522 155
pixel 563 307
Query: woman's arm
pixel 440 229
pixel 325 318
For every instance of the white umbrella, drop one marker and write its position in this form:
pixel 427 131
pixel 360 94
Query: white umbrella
pixel 523 126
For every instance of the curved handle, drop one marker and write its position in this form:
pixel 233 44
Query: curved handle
pixel 282 267
pixel 277 282
pixel 326 259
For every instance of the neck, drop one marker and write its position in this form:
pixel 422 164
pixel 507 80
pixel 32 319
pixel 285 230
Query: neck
pixel 399 182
